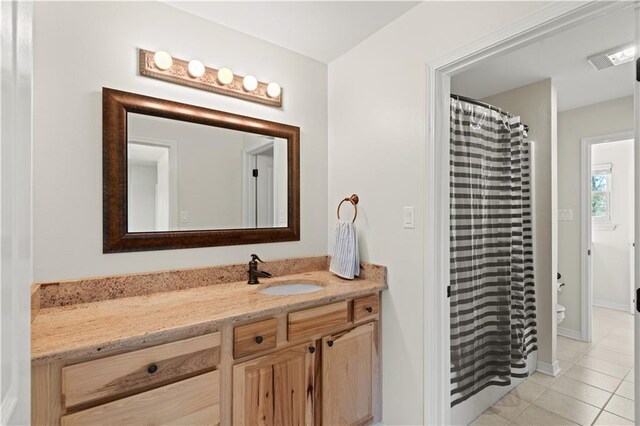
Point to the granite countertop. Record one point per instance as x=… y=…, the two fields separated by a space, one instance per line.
x=84 y=329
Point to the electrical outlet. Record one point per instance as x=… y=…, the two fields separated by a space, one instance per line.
x=184 y=216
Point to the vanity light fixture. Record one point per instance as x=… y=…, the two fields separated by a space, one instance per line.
x=225 y=76
x=162 y=60
x=195 y=68
x=250 y=83
x=273 y=90
x=160 y=65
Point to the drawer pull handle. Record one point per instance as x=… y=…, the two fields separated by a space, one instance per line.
x=330 y=343
x=312 y=349
x=369 y=309
x=152 y=368
x=259 y=339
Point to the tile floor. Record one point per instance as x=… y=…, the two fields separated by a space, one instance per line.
x=595 y=385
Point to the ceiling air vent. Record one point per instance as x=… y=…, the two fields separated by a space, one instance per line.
x=612 y=57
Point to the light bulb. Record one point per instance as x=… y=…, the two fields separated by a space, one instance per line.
x=162 y=60
x=195 y=69
x=225 y=76
x=273 y=90
x=250 y=83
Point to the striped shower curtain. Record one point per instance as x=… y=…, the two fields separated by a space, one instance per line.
x=493 y=320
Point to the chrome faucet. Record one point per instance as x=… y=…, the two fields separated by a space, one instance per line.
x=254 y=272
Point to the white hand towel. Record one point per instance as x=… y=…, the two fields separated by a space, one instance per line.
x=346 y=260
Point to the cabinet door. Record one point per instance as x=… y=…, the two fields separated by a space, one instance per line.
x=275 y=389
x=347 y=377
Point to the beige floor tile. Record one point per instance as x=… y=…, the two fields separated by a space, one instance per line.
x=581 y=391
x=617 y=346
x=509 y=407
x=568 y=355
x=567 y=407
x=574 y=345
x=593 y=378
x=623 y=407
x=564 y=365
x=603 y=366
x=599 y=312
x=489 y=419
x=542 y=379
x=622 y=333
x=535 y=415
x=631 y=377
x=626 y=390
x=528 y=390
x=611 y=356
x=609 y=419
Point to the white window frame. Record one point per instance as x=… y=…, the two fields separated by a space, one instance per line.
x=606 y=221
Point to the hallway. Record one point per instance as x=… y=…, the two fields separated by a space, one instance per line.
x=595 y=384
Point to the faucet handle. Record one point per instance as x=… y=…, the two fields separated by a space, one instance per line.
x=255 y=257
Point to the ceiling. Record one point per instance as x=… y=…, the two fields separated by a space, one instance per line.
x=322 y=30
x=563 y=58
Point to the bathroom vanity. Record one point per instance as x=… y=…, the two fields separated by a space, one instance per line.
x=221 y=352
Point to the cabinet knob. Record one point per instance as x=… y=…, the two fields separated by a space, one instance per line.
x=330 y=343
x=312 y=349
x=152 y=368
x=369 y=309
x=259 y=339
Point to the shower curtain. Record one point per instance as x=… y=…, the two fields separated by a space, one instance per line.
x=493 y=319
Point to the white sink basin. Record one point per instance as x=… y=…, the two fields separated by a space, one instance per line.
x=289 y=289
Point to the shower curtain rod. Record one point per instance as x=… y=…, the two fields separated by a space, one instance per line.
x=486 y=105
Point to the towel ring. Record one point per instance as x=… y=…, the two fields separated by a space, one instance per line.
x=354 y=201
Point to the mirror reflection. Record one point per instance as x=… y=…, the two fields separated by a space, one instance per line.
x=184 y=176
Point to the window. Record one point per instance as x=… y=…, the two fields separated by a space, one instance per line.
x=601 y=194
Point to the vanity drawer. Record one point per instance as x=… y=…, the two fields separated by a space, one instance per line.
x=194 y=401
x=315 y=321
x=366 y=307
x=138 y=370
x=255 y=337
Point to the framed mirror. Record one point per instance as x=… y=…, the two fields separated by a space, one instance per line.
x=181 y=176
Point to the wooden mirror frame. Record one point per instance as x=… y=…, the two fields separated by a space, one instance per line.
x=116 y=237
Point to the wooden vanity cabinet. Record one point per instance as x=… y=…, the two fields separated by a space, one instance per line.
x=315 y=366
x=276 y=389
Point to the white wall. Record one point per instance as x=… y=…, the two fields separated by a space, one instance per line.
x=377 y=124
x=611 y=248
x=536 y=106
x=593 y=120
x=79 y=47
x=15 y=211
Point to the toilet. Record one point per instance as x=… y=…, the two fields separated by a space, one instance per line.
x=560 y=309
x=560 y=312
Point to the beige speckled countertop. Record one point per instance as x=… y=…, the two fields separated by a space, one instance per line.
x=88 y=328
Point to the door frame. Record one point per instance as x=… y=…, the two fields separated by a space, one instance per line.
x=248 y=190
x=172 y=146
x=551 y=19
x=586 y=280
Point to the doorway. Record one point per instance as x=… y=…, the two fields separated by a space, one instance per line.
x=608 y=242
x=439 y=73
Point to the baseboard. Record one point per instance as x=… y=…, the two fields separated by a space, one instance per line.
x=611 y=305
x=570 y=333
x=549 y=369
